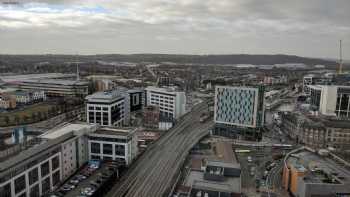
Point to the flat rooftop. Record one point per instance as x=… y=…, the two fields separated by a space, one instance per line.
x=52 y=82
x=319 y=168
x=320 y=121
x=13 y=78
x=32 y=152
x=7 y=90
x=114 y=131
x=196 y=180
x=40 y=144
x=106 y=95
x=169 y=89
x=62 y=130
x=224 y=152
x=223 y=164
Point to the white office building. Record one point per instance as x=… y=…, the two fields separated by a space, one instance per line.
x=113 y=144
x=44 y=162
x=29 y=96
x=54 y=87
x=108 y=108
x=331 y=100
x=171 y=102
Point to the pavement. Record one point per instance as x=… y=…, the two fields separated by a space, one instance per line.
x=155 y=172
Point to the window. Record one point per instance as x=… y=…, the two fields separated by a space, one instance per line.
x=98 y=108
x=45 y=185
x=91 y=108
x=107 y=158
x=23 y=195
x=33 y=176
x=55 y=163
x=56 y=178
x=119 y=150
x=34 y=191
x=107 y=149
x=105 y=108
x=5 y=190
x=95 y=148
x=20 y=184
x=96 y=157
x=45 y=169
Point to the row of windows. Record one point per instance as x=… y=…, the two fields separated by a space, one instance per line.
x=106 y=139
x=20 y=169
x=98 y=108
x=107 y=158
x=160 y=96
x=162 y=107
x=20 y=184
x=107 y=149
x=162 y=101
x=161 y=104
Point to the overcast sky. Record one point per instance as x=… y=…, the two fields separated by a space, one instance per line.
x=299 y=27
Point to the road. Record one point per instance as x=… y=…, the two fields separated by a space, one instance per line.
x=155 y=172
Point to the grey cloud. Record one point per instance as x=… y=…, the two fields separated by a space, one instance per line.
x=183 y=26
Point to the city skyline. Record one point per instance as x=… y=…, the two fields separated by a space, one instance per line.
x=310 y=29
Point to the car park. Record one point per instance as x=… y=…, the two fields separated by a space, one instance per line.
x=88 y=191
x=80 y=177
x=94 y=184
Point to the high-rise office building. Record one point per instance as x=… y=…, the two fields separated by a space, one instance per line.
x=331 y=99
x=109 y=108
x=171 y=102
x=137 y=99
x=238 y=108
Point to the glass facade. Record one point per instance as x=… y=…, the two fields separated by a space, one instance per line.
x=342 y=108
x=107 y=149
x=315 y=98
x=5 y=190
x=119 y=150
x=33 y=176
x=34 y=191
x=95 y=148
x=45 y=169
x=20 y=184
x=45 y=185
x=55 y=163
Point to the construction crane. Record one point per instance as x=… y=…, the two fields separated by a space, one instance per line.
x=340 y=69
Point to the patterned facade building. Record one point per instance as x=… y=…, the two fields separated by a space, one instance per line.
x=239 y=106
x=238 y=110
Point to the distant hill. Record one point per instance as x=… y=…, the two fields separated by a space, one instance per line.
x=157 y=58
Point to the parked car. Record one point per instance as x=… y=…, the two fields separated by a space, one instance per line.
x=74 y=181
x=67 y=187
x=88 y=191
x=249 y=159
